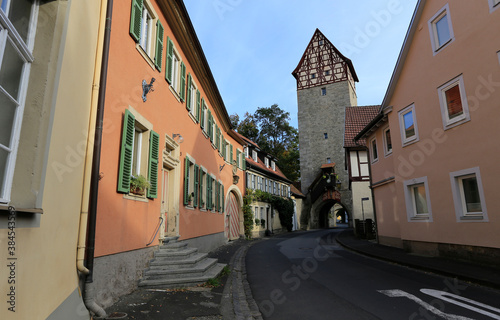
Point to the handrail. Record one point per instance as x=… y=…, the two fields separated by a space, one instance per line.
x=153 y=238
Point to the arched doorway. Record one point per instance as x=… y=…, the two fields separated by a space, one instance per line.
x=232 y=223
x=325 y=214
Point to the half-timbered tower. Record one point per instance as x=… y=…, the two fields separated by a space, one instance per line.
x=325 y=87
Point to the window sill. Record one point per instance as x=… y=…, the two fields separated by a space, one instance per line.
x=5 y=209
x=455 y=123
x=145 y=56
x=176 y=95
x=420 y=218
x=472 y=217
x=444 y=45
x=410 y=142
x=131 y=196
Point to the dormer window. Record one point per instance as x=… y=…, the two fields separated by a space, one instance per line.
x=254 y=155
x=273 y=165
x=267 y=162
x=246 y=152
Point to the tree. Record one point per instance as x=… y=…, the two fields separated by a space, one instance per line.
x=271 y=130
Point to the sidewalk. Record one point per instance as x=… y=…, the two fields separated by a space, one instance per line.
x=232 y=300
x=462 y=270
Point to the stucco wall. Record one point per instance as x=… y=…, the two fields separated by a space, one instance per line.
x=440 y=151
x=50 y=168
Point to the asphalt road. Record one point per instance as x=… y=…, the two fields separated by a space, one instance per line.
x=307 y=275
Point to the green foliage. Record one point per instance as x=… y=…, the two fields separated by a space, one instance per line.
x=257 y=221
x=139 y=182
x=285 y=209
x=247 y=216
x=271 y=130
x=283 y=205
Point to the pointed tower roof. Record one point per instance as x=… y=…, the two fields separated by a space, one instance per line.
x=322 y=63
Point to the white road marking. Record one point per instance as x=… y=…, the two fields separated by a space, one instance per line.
x=463 y=302
x=399 y=293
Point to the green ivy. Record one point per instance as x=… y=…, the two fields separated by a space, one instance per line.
x=247 y=216
x=283 y=205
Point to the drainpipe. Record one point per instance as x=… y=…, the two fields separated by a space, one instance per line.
x=89 y=197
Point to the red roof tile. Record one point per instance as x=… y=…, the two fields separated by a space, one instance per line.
x=356 y=118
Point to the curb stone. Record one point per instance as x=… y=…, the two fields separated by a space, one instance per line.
x=238 y=302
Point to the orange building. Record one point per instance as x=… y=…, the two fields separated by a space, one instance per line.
x=433 y=147
x=164 y=122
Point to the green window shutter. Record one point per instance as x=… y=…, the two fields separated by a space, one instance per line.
x=223 y=201
x=154 y=151
x=238 y=156
x=196 y=180
x=200 y=186
x=223 y=146
x=136 y=19
x=186 y=180
x=217 y=196
x=183 y=81
x=159 y=45
x=197 y=105
x=209 y=192
x=126 y=152
x=217 y=137
x=168 y=66
x=202 y=120
x=209 y=129
x=188 y=92
x=244 y=163
x=231 y=154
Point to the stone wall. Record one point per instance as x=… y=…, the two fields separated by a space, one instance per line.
x=319 y=114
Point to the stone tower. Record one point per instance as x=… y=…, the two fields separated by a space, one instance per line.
x=325 y=87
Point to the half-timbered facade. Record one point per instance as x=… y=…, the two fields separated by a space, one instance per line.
x=357 y=162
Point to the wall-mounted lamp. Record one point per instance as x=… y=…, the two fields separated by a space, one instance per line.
x=178 y=138
x=146 y=88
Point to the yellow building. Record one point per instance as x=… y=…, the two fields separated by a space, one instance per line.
x=50 y=56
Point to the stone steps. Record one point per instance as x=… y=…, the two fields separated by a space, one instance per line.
x=176 y=266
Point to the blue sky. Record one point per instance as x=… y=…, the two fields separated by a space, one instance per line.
x=252 y=46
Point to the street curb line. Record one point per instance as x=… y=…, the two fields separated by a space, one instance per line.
x=238 y=302
x=420 y=267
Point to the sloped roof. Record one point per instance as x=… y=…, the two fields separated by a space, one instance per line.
x=260 y=165
x=347 y=60
x=296 y=192
x=248 y=141
x=356 y=119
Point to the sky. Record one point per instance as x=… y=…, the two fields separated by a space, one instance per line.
x=252 y=46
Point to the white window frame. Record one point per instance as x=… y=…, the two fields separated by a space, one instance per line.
x=148 y=49
x=254 y=155
x=407 y=141
x=273 y=165
x=25 y=50
x=462 y=215
x=373 y=151
x=176 y=72
x=253 y=181
x=465 y=116
x=266 y=159
x=192 y=99
x=387 y=151
x=494 y=4
x=246 y=152
x=411 y=208
x=433 y=29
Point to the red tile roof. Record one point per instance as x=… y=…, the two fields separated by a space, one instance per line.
x=250 y=142
x=296 y=191
x=356 y=118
